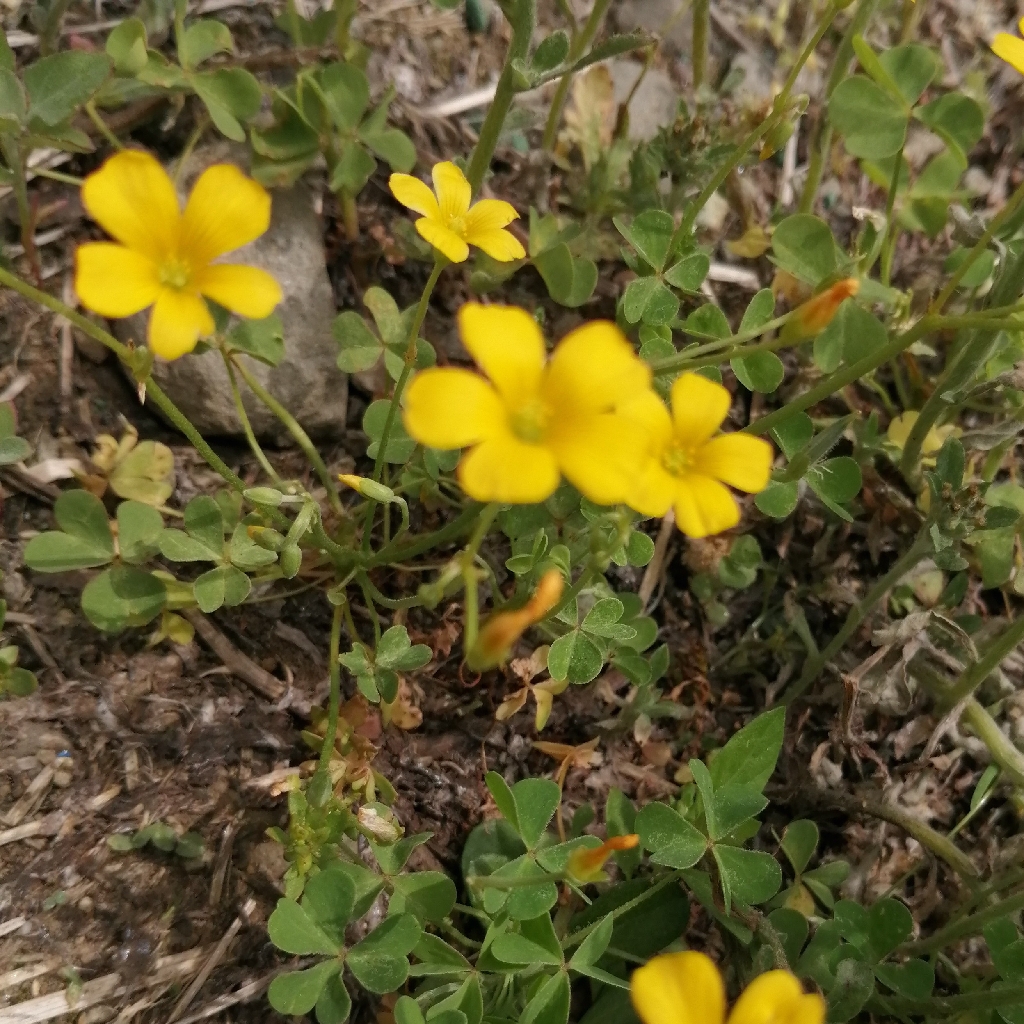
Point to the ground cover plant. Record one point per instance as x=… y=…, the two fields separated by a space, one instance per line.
x=651 y=538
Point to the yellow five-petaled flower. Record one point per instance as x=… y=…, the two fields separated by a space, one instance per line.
x=535 y=419
x=686 y=988
x=688 y=466
x=1010 y=48
x=450 y=224
x=165 y=258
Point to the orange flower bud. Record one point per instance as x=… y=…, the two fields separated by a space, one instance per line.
x=816 y=314
x=586 y=864
x=503 y=629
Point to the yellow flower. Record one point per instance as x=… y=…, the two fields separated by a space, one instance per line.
x=1010 y=48
x=688 y=467
x=165 y=258
x=586 y=863
x=450 y=224
x=899 y=431
x=816 y=313
x=535 y=419
x=686 y=988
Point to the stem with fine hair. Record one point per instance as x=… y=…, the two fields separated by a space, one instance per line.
x=581 y=41
x=101 y=126
x=334 y=703
x=14 y=156
x=778 y=112
x=814 y=664
x=999 y=649
x=821 y=138
x=521 y=15
x=408 y=362
x=469 y=574
x=243 y=418
x=293 y=427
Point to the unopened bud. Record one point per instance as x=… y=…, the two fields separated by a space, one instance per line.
x=265 y=537
x=290 y=561
x=382 y=828
x=366 y=487
x=503 y=629
x=817 y=312
x=586 y=863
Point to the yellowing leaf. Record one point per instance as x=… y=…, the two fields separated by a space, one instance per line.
x=590 y=115
x=145 y=474
x=754 y=242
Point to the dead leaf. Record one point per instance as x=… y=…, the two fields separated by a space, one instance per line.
x=403 y=713
x=590 y=115
x=754 y=242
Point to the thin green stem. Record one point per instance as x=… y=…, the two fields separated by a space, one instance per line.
x=997 y=650
x=334 y=702
x=403 y=548
x=686 y=359
x=50 y=32
x=1011 y=207
x=971 y=925
x=243 y=418
x=469 y=574
x=293 y=427
x=936 y=1007
x=409 y=361
x=578 y=936
x=193 y=140
x=813 y=665
x=384 y=601
x=68 y=179
x=699 y=50
x=101 y=126
x=521 y=15
x=14 y=156
x=821 y=139
x=581 y=41
x=891 y=229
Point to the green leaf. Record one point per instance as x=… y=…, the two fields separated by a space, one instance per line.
x=400 y=445
x=334 y=1004
x=759 y=312
x=84 y=541
x=760 y=371
x=689 y=272
x=126 y=46
x=954 y=117
x=792 y=928
x=467 y=1002
x=296 y=992
x=394 y=147
x=778 y=499
x=748 y=759
x=707 y=321
x=803 y=245
x=620 y=815
x=138 y=531
x=914 y=979
x=734 y=806
x=346 y=94
x=230 y=95
x=873 y=123
x=748 y=876
x=854 y=986
x=13 y=449
x=7 y=59
x=437 y=958
x=575 y=657
x=570 y=280
x=912 y=67
x=379 y=961
x=517 y=949
x=177 y=546
x=329 y=899
x=201 y=40
x=220 y=586
x=392 y=857
x=535 y=800
x=878 y=72
x=204 y=522
x=293 y=930
x=145 y=474
x=647 y=299
x=428 y=895
x=835 y=480
x=671 y=840
x=650 y=233
x=358 y=347
x=799 y=842
x=603 y=620
x=353 y=169
x=852 y=334
x=889 y=923
x=59 y=84
x=503 y=798
x=123 y=596
x=551 y=51
x=551 y=1004
x=593 y=947
x=261 y=339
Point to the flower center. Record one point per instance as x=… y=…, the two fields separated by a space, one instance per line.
x=530 y=421
x=175 y=273
x=458 y=225
x=676 y=460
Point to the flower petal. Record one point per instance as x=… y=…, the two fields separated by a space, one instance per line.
x=1011 y=49
x=178 y=321
x=500 y=245
x=507 y=345
x=225 y=211
x=453 y=191
x=595 y=369
x=449 y=408
x=114 y=281
x=740 y=460
x=704 y=506
x=247 y=291
x=599 y=453
x=414 y=194
x=699 y=406
x=777 y=997
x=678 y=988
x=443 y=239
x=489 y=215
x=132 y=198
x=505 y=469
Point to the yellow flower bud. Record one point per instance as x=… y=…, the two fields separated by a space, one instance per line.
x=817 y=312
x=503 y=629
x=586 y=863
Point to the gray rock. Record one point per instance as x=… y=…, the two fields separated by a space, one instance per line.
x=654 y=16
x=655 y=103
x=307 y=381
